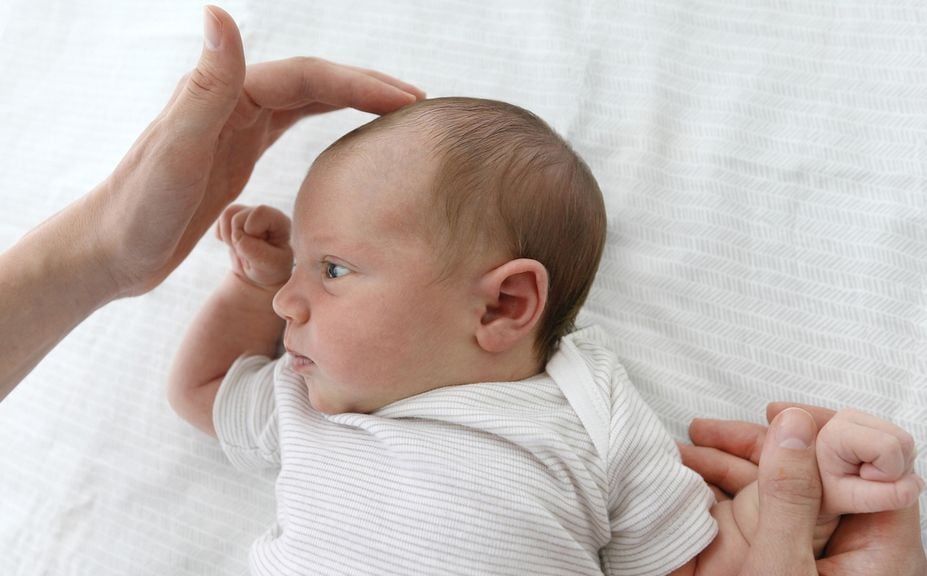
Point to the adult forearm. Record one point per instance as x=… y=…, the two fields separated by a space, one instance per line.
x=50 y=281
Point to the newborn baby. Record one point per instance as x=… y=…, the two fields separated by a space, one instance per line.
x=436 y=410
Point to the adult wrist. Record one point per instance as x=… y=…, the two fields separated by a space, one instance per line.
x=66 y=248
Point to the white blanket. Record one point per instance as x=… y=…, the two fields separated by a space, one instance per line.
x=764 y=165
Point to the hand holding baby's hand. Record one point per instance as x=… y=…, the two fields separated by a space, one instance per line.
x=259 y=244
x=866 y=464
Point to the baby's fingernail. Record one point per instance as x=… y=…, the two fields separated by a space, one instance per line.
x=794 y=429
x=920 y=482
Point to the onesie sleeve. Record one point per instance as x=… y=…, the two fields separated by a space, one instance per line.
x=658 y=508
x=245 y=414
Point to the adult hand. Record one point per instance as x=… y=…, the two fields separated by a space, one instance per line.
x=727 y=455
x=197 y=155
x=131 y=231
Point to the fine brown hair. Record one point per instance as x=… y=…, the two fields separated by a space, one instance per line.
x=505 y=178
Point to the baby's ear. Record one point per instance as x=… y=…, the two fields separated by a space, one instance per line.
x=514 y=296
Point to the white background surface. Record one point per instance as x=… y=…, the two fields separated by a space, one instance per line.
x=764 y=169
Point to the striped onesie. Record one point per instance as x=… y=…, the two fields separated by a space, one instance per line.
x=567 y=472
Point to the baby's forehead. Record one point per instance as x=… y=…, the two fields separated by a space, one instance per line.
x=402 y=143
x=388 y=175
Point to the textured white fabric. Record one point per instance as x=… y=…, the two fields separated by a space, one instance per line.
x=487 y=478
x=763 y=164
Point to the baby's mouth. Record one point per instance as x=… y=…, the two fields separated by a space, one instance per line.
x=299 y=363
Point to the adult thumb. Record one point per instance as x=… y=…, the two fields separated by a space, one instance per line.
x=790 y=497
x=209 y=93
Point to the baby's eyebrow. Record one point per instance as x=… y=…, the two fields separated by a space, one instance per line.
x=331 y=245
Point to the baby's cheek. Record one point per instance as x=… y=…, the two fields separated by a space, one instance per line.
x=362 y=355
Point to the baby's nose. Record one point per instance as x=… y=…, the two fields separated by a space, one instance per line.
x=289 y=306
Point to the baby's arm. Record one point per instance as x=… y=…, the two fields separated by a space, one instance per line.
x=866 y=465
x=238 y=318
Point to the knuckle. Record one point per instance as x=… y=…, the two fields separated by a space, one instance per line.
x=182 y=82
x=908 y=447
x=307 y=61
x=308 y=70
x=793 y=490
x=200 y=81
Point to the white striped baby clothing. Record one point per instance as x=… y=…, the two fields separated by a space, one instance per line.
x=567 y=472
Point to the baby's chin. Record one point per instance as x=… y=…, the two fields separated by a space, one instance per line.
x=319 y=390
x=328 y=406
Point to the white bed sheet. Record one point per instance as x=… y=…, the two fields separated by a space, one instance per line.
x=764 y=169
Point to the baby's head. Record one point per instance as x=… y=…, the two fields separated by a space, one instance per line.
x=453 y=241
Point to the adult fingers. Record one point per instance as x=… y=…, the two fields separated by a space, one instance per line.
x=790 y=497
x=719 y=469
x=876 y=544
x=404 y=86
x=282 y=120
x=743 y=439
x=821 y=415
x=297 y=82
x=211 y=91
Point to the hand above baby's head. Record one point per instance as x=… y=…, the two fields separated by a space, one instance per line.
x=258 y=238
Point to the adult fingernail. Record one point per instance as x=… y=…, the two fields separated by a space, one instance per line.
x=794 y=429
x=212 y=29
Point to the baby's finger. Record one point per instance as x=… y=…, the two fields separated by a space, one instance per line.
x=268 y=223
x=236 y=264
x=743 y=439
x=259 y=253
x=237 y=225
x=224 y=227
x=854 y=495
x=725 y=471
x=879 y=455
x=890 y=434
x=263 y=262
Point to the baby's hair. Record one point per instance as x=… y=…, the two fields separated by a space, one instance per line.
x=506 y=179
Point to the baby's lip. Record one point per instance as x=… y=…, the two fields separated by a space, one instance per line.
x=298 y=362
x=294 y=353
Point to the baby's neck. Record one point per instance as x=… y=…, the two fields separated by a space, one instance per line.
x=511 y=366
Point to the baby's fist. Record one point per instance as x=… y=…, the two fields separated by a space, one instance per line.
x=866 y=464
x=258 y=238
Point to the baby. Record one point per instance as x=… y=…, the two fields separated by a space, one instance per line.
x=435 y=410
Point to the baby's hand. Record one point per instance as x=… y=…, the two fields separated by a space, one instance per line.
x=259 y=244
x=866 y=465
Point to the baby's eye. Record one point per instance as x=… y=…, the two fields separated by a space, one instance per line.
x=335 y=270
